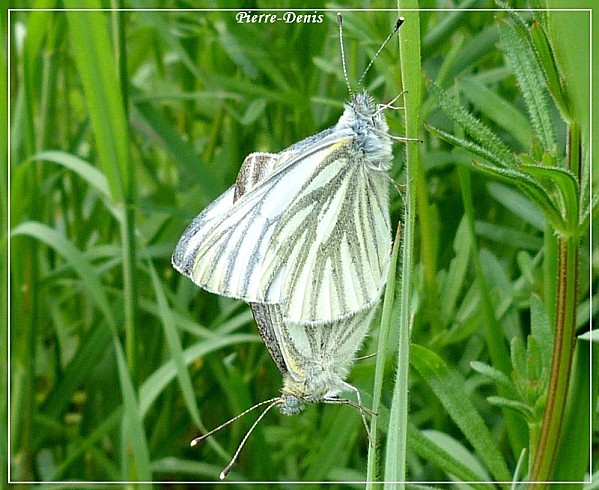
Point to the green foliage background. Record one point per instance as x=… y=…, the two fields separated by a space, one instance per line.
x=124 y=126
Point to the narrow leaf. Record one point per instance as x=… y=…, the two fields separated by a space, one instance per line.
x=495 y=375
x=531 y=188
x=547 y=61
x=521 y=59
x=541 y=330
x=515 y=405
x=508 y=236
x=174 y=344
x=480 y=133
x=156 y=382
x=431 y=451
x=87 y=172
x=518 y=204
x=133 y=429
x=451 y=391
x=94 y=58
x=77 y=260
x=474 y=148
x=456 y=274
x=566 y=183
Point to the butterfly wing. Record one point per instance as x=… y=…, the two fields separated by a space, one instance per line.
x=268 y=319
x=223 y=249
x=322 y=353
x=329 y=254
x=310 y=233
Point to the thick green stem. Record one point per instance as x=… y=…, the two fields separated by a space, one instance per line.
x=428 y=251
x=565 y=324
x=564 y=334
x=382 y=348
x=130 y=289
x=409 y=47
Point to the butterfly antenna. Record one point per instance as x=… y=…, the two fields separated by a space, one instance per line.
x=398 y=24
x=274 y=401
x=340 y=20
x=199 y=439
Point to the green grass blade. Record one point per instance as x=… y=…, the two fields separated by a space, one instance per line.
x=432 y=452
x=445 y=28
x=4 y=282
x=381 y=358
x=456 y=273
x=450 y=389
x=135 y=445
x=93 y=55
x=87 y=443
x=157 y=381
x=174 y=344
x=77 y=260
x=88 y=355
x=409 y=48
x=508 y=236
x=100 y=79
x=494 y=334
x=518 y=204
x=326 y=455
x=87 y=172
x=193 y=169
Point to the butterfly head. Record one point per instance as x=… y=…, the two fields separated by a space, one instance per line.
x=310 y=389
x=291 y=404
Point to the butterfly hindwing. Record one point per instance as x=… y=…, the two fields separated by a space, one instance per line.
x=312 y=351
x=268 y=319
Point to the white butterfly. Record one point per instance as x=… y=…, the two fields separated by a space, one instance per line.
x=314 y=361
x=312 y=233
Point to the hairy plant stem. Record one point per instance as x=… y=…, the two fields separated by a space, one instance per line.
x=564 y=338
x=409 y=50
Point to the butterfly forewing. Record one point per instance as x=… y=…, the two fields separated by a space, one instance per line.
x=308 y=211
x=224 y=247
x=329 y=252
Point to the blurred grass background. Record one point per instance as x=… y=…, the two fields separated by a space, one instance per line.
x=124 y=126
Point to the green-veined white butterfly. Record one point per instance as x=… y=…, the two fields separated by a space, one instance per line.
x=313 y=359
x=304 y=237
x=312 y=234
